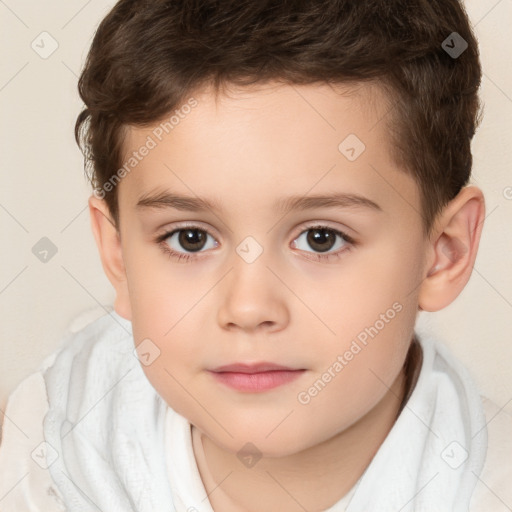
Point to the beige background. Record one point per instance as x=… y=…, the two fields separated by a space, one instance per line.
x=43 y=193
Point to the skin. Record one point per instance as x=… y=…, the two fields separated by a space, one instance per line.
x=246 y=149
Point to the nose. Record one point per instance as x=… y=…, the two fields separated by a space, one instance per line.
x=253 y=299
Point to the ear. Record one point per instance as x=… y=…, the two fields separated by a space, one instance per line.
x=454 y=245
x=108 y=241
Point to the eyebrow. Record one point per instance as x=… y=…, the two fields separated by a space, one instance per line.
x=284 y=205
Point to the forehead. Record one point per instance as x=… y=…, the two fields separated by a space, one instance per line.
x=330 y=109
x=282 y=110
x=270 y=141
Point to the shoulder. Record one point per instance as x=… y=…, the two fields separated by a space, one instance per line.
x=24 y=476
x=25 y=456
x=493 y=490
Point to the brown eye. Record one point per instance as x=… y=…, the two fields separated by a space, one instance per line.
x=187 y=240
x=321 y=239
x=192 y=239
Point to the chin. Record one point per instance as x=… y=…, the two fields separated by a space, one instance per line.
x=275 y=445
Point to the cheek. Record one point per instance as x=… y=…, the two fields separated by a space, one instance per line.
x=376 y=281
x=372 y=308
x=176 y=357
x=354 y=374
x=164 y=303
x=162 y=292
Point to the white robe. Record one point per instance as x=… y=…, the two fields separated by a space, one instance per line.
x=111 y=442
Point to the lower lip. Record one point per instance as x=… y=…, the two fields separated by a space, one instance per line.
x=257 y=381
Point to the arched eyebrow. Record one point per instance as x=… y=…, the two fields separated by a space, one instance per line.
x=284 y=205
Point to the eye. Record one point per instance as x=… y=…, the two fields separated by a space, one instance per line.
x=182 y=243
x=192 y=239
x=323 y=239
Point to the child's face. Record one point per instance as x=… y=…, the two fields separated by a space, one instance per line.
x=230 y=304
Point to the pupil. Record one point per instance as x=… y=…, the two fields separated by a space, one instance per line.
x=318 y=237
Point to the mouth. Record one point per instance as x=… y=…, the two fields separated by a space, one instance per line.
x=256 y=377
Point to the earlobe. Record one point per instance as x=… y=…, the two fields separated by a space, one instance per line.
x=108 y=242
x=454 y=249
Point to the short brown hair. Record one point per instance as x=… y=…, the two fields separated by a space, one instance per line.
x=148 y=55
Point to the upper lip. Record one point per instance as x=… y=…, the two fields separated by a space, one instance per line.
x=252 y=367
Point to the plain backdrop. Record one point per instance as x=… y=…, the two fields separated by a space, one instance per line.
x=43 y=195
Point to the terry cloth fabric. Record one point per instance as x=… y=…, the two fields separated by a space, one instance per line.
x=107 y=426
x=435 y=452
x=107 y=423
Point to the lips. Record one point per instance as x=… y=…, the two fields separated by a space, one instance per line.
x=255 y=377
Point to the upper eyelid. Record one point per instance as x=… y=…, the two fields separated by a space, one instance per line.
x=196 y=224
x=181 y=226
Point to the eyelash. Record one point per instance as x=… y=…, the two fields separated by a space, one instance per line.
x=186 y=257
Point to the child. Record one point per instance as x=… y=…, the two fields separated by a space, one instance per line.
x=246 y=367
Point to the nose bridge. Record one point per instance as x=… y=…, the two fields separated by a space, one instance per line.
x=252 y=295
